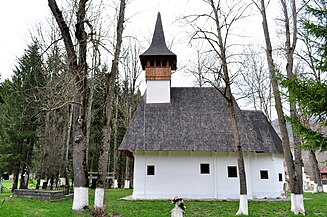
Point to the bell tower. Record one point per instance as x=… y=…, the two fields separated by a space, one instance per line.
x=158 y=61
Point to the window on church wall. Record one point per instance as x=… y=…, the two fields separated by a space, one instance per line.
x=232 y=171
x=150 y=170
x=280 y=177
x=205 y=168
x=264 y=174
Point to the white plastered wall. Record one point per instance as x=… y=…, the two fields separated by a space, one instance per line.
x=177 y=173
x=158 y=91
x=271 y=187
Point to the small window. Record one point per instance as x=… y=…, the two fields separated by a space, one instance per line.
x=204 y=169
x=158 y=63
x=150 y=170
x=264 y=174
x=232 y=171
x=280 y=177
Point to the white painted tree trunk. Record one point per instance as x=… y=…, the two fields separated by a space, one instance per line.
x=177 y=212
x=81 y=198
x=99 y=198
x=243 y=205
x=115 y=183
x=297 y=204
x=127 y=184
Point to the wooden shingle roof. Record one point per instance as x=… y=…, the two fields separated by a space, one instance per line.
x=197 y=119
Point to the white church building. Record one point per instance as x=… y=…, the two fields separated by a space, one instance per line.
x=182 y=143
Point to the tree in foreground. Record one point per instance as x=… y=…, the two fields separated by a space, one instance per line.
x=294 y=167
x=77 y=67
x=309 y=90
x=20 y=114
x=291 y=34
x=107 y=110
x=224 y=15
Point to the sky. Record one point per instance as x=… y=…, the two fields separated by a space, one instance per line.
x=18 y=18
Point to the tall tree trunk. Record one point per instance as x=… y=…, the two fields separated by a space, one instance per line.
x=278 y=102
x=291 y=170
x=67 y=142
x=89 y=106
x=127 y=183
x=243 y=203
x=316 y=172
x=15 y=179
x=77 y=66
x=44 y=148
x=110 y=81
x=115 y=145
x=297 y=204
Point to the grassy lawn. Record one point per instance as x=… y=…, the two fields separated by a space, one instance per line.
x=316 y=205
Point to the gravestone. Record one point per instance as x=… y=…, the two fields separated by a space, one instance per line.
x=62 y=181
x=115 y=184
x=42 y=181
x=5 y=176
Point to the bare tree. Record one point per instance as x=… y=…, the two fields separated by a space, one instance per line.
x=224 y=15
x=205 y=68
x=57 y=96
x=293 y=168
x=77 y=66
x=115 y=128
x=291 y=34
x=128 y=101
x=255 y=85
x=109 y=96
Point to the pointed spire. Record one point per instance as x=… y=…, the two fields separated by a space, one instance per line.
x=158 y=48
x=158 y=39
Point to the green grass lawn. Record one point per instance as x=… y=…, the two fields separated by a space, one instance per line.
x=315 y=204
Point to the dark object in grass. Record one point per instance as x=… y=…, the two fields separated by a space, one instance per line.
x=97 y=212
x=5 y=176
x=39 y=194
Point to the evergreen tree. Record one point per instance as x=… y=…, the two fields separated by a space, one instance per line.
x=315 y=24
x=20 y=118
x=310 y=90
